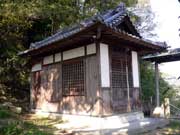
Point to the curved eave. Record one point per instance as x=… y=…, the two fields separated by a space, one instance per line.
x=30 y=51
x=145 y=45
x=148 y=46
x=161 y=58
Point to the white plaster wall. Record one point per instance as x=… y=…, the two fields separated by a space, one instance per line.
x=36 y=67
x=104 y=64
x=57 y=57
x=48 y=60
x=135 y=69
x=91 y=49
x=74 y=53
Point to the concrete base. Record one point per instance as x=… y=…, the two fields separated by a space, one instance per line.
x=132 y=128
x=129 y=123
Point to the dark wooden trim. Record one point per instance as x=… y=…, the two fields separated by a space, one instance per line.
x=62 y=75
x=140 y=87
x=74 y=95
x=99 y=30
x=85 y=58
x=31 y=88
x=105 y=88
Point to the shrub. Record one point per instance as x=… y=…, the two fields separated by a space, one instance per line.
x=4 y=113
x=11 y=129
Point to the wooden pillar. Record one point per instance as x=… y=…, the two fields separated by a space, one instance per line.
x=99 y=91
x=157 y=84
x=128 y=97
x=166 y=108
x=31 y=94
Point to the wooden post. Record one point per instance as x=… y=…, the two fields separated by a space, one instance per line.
x=128 y=98
x=157 y=83
x=166 y=108
x=31 y=95
x=99 y=79
x=99 y=91
x=127 y=81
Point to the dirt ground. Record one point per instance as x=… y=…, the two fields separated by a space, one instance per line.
x=172 y=129
x=47 y=126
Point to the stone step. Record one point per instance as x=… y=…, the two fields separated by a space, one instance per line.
x=128 y=123
x=136 y=127
x=118 y=118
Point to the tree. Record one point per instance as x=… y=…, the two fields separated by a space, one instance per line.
x=143 y=18
x=23 y=22
x=148 y=83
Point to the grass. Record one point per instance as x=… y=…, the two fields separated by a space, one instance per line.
x=172 y=129
x=12 y=124
x=21 y=128
x=33 y=125
x=174 y=124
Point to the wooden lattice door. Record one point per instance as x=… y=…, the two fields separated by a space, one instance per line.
x=121 y=79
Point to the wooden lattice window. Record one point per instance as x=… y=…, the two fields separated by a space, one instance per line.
x=73 y=72
x=121 y=60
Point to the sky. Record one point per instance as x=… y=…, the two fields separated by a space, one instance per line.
x=167 y=13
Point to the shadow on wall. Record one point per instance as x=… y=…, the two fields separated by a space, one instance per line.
x=47 y=90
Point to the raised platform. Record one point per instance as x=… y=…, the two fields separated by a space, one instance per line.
x=129 y=123
x=131 y=128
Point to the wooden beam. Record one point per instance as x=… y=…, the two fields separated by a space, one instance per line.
x=99 y=90
x=98 y=35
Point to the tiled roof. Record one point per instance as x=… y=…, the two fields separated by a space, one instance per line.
x=111 y=18
x=168 y=56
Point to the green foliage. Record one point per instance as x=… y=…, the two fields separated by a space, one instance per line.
x=4 y=114
x=148 y=83
x=147 y=80
x=23 y=22
x=13 y=124
x=21 y=128
x=175 y=124
x=11 y=129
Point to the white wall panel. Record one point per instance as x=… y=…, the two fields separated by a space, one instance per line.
x=57 y=57
x=104 y=58
x=135 y=69
x=73 y=53
x=48 y=60
x=36 y=67
x=91 y=49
